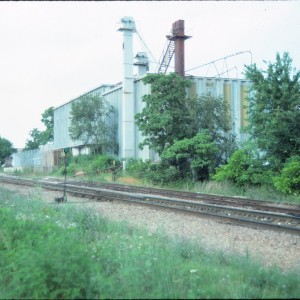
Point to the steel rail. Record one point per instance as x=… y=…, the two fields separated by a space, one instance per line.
x=207 y=198
x=285 y=222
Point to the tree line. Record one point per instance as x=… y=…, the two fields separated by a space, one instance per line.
x=191 y=134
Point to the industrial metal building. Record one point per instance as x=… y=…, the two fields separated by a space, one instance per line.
x=233 y=90
x=126 y=97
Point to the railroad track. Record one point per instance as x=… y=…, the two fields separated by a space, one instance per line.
x=200 y=197
x=257 y=214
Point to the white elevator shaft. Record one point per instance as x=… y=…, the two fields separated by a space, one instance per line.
x=128 y=105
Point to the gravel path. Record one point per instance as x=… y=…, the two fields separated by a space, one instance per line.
x=266 y=246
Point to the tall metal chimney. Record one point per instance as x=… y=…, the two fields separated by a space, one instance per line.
x=128 y=127
x=178 y=37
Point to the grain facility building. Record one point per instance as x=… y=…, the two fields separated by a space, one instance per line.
x=126 y=97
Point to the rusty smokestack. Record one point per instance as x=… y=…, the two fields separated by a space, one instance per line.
x=178 y=36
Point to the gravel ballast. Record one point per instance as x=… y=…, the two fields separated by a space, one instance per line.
x=267 y=246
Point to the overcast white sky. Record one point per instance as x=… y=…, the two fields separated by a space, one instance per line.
x=52 y=52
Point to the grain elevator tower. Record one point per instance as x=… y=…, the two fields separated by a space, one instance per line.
x=128 y=106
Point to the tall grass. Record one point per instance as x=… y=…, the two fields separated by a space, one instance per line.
x=259 y=193
x=56 y=251
x=143 y=173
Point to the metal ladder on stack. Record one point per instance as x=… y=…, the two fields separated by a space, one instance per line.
x=166 y=57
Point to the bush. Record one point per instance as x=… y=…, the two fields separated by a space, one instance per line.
x=88 y=163
x=136 y=167
x=156 y=173
x=101 y=163
x=244 y=169
x=162 y=173
x=197 y=154
x=288 y=181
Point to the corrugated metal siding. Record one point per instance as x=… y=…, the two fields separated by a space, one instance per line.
x=140 y=89
x=244 y=104
x=211 y=86
x=114 y=98
x=227 y=97
x=62 y=123
x=235 y=91
x=236 y=106
x=62 y=120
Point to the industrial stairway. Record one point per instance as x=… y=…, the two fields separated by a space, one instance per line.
x=166 y=57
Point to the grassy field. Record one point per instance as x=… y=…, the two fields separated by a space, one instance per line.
x=56 y=251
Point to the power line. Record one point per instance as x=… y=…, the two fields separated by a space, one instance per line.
x=144 y=45
x=223 y=58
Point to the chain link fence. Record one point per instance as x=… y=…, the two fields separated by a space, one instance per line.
x=45 y=159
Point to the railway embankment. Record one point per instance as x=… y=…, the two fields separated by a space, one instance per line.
x=267 y=246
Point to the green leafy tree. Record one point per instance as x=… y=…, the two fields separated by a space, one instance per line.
x=166 y=116
x=6 y=149
x=92 y=123
x=274 y=109
x=37 y=137
x=170 y=117
x=48 y=121
x=288 y=181
x=212 y=115
x=196 y=154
